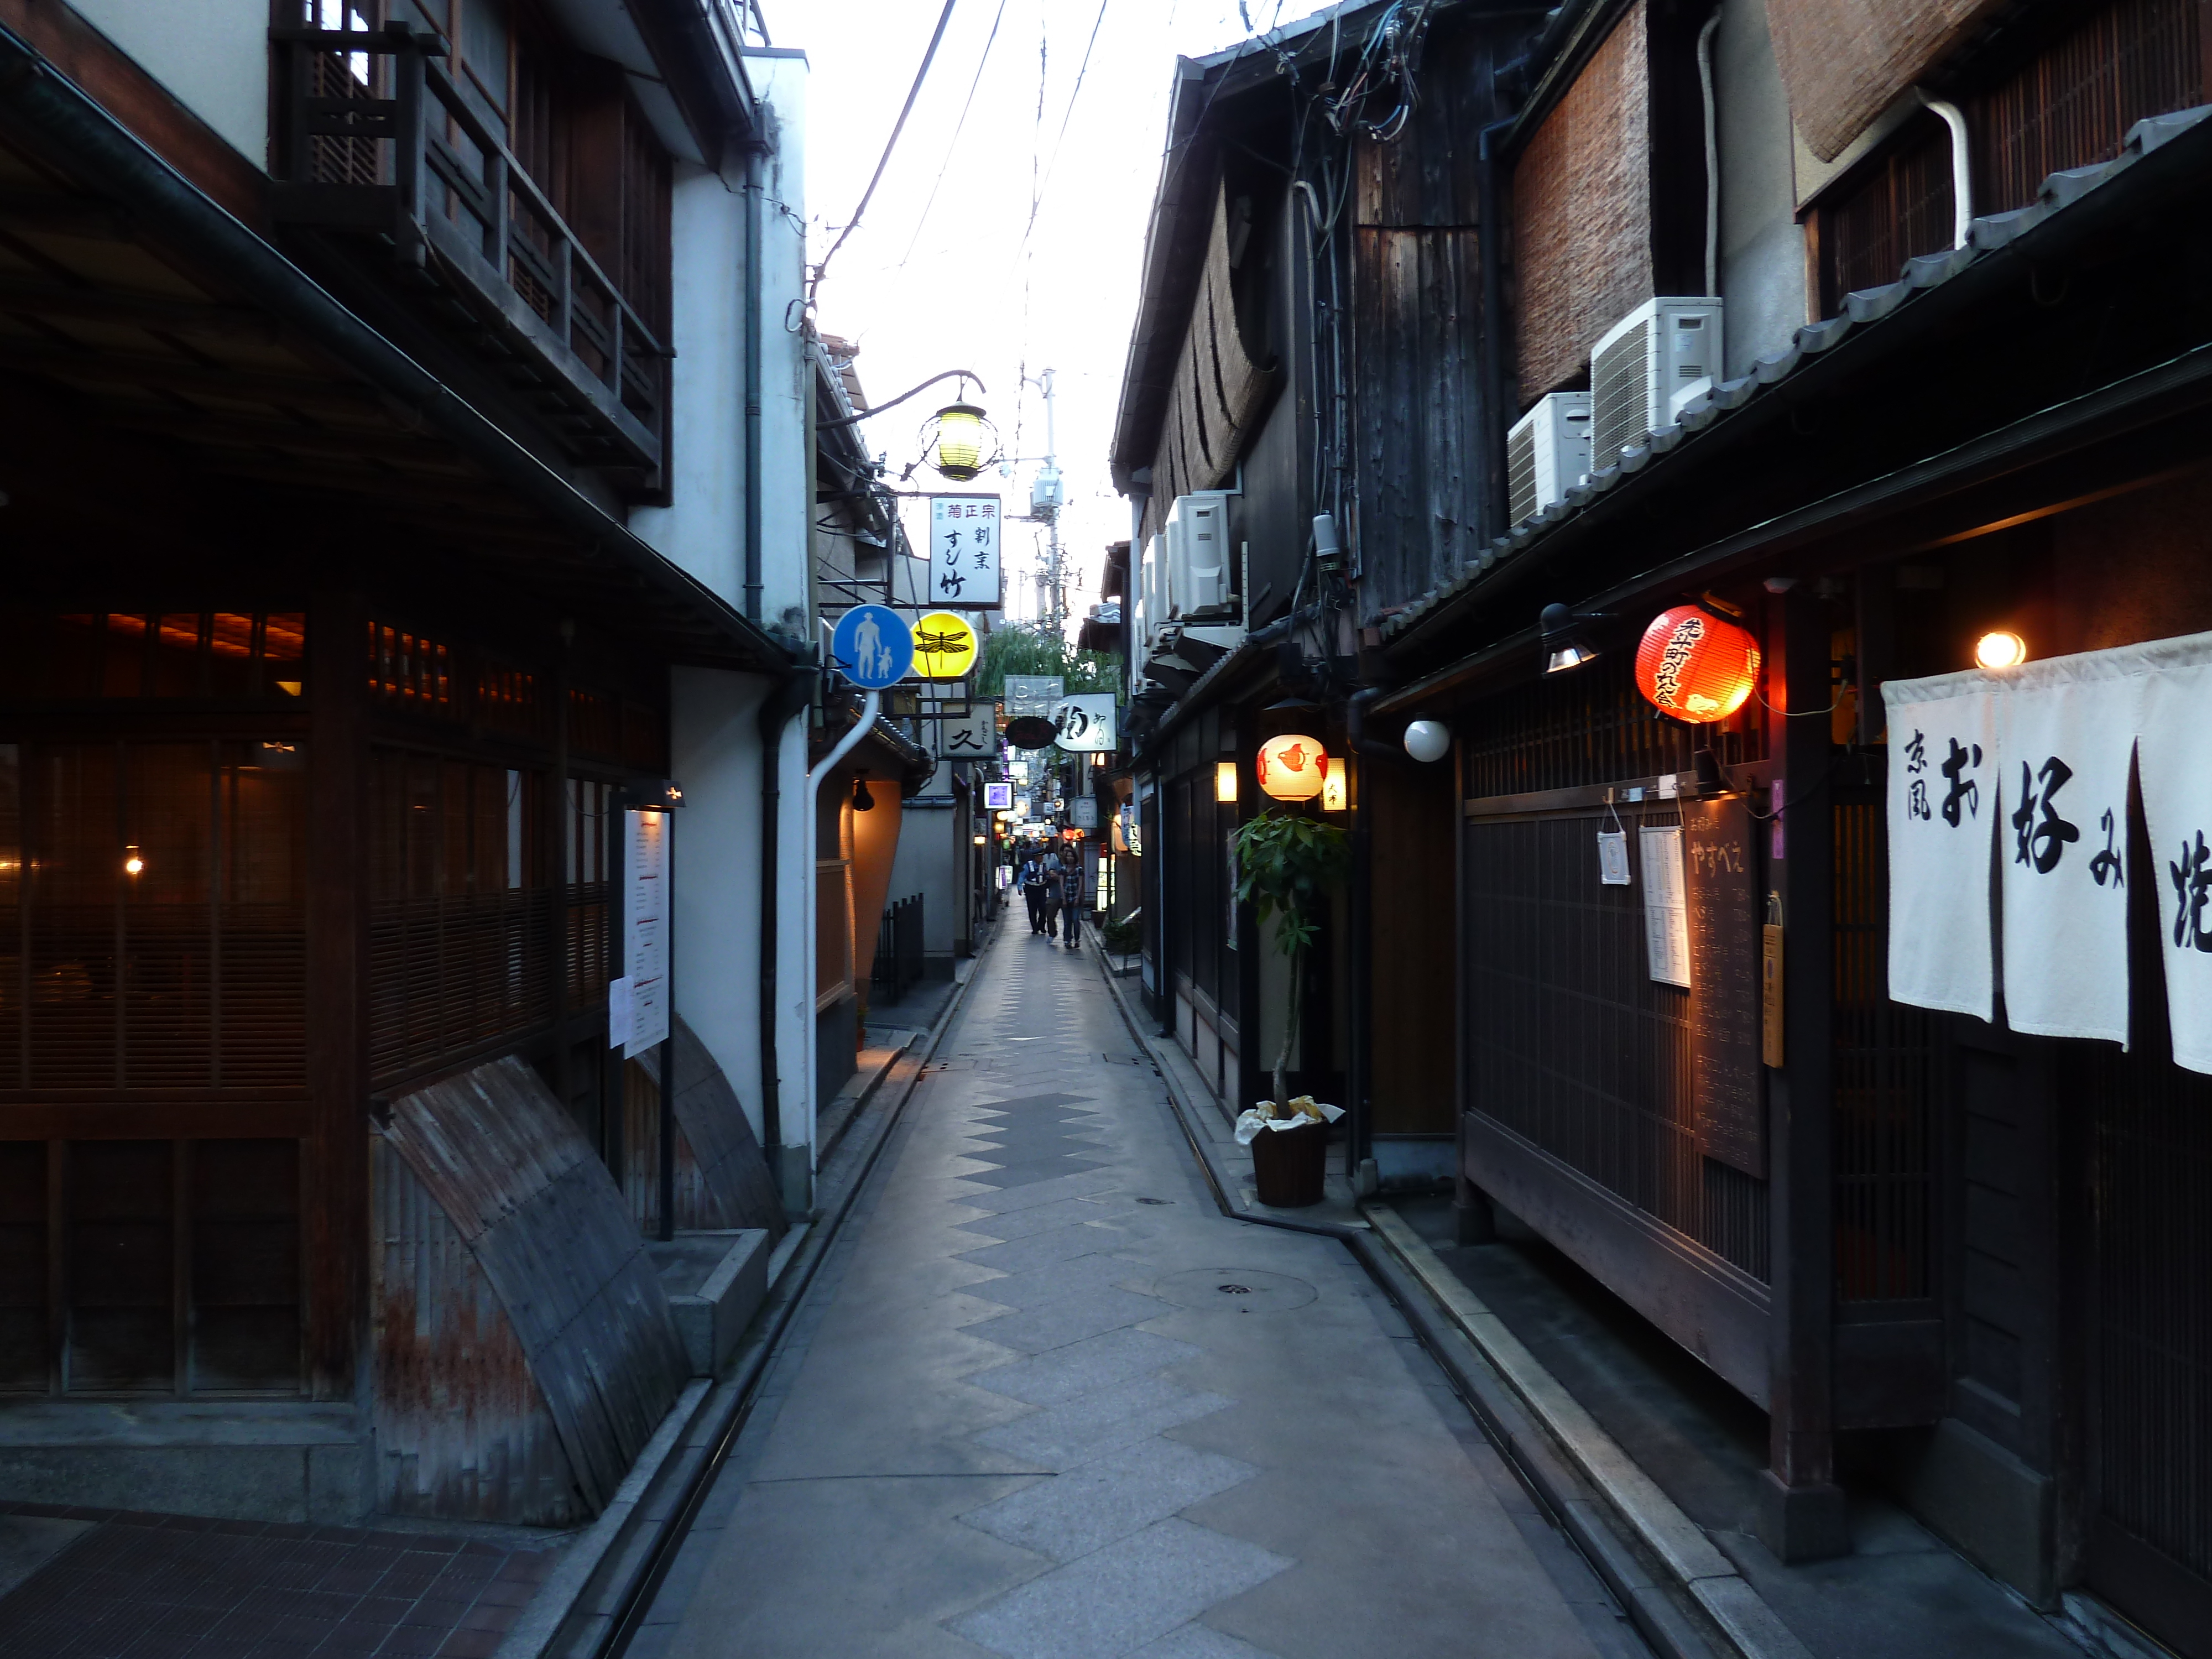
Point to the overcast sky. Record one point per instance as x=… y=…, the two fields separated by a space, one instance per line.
x=981 y=280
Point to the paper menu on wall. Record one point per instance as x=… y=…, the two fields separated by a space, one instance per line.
x=1666 y=908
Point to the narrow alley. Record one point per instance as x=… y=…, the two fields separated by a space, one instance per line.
x=1046 y=1401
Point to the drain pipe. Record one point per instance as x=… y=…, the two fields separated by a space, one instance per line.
x=1962 y=183
x=1712 y=157
x=753 y=351
x=1497 y=518
x=784 y=700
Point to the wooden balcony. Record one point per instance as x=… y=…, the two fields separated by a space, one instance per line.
x=377 y=141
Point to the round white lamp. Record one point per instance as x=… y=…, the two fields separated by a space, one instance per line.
x=1428 y=740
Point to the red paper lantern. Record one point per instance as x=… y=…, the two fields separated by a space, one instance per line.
x=1293 y=766
x=1695 y=666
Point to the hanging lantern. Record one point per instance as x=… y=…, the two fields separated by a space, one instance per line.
x=959 y=442
x=1695 y=666
x=1293 y=766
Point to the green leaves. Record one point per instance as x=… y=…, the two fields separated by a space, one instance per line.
x=1286 y=864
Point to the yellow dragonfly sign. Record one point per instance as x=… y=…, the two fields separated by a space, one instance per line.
x=944 y=646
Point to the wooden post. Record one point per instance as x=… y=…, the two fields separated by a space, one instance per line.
x=336 y=1224
x=1473 y=1219
x=1801 y=1515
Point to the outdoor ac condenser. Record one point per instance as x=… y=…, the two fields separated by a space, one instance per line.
x=1198 y=555
x=1548 y=452
x=1661 y=353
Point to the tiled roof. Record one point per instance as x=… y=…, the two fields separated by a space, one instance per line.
x=1862 y=310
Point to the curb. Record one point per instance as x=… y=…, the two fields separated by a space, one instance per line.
x=590 y=1603
x=1673 y=1542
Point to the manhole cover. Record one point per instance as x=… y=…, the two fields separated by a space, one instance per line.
x=1244 y=1290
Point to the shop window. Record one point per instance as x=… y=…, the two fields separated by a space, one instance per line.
x=507 y=702
x=595 y=724
x=406 y=671
x=83 y=656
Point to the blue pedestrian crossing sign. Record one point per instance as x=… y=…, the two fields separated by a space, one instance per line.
x=873 y=646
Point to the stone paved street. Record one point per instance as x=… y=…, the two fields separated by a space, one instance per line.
x=1045 y=1402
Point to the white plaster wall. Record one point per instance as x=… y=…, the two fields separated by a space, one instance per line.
x=212 y=54
x=703 y=527
x=1762 y=245
x=787 y=516
x=715 y=748
x=924 y=864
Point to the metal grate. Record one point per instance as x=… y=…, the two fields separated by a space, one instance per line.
x=1520 y=472
x=1572 y=1044
x=1621 y=396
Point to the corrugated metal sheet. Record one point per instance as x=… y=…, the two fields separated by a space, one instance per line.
x=543 y=1220
x=462 y=1429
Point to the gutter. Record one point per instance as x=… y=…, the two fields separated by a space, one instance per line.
x=783 y=702
x=754 y=352
x=55 y=117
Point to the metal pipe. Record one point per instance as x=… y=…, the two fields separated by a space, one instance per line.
x=871 y=706
x=1712 y=158
x=1962 y=183
x=668 y=1043
x=783 y=702
x=753 y=352
x=1497 y=511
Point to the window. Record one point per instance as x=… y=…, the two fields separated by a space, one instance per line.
x=1897 y=207
x=593 y=829
x=220 y=654
x=459 y=936
x=408 y=672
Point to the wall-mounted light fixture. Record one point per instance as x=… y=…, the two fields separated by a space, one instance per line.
x=1565 y=645
x=1428 y=740
x=1225 y=782
x=1335 y=786
x=663 y=795
x=133 y=863
x=862 y=800
x=2000 y=648
x=1293 y=766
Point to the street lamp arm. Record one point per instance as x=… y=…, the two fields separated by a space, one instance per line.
x=877 y=409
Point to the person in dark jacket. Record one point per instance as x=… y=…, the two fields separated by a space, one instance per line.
x=1071 y=899
x=1051 y=904
x=1031 y=879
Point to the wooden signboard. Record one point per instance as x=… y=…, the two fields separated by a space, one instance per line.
x=1722 y=895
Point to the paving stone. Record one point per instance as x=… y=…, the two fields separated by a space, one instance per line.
x=1065 y=1437
x=1191 y=1641
x=1081 y=1313
x=1082 y=1185
x=1079 y=1368
x=1091 y=1505
x=1042 y=1250
x=1122 y=1596
x=1037 y=1218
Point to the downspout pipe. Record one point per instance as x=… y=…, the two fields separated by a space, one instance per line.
x=754 y=350
x=1962 y=182
x=785 y=699
x=1496 y=511
x=1712 y=157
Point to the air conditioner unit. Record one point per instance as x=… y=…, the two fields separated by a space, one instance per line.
x=1648 y=364
x=1548 y=452
x=1197 y=555
x=1144 y=609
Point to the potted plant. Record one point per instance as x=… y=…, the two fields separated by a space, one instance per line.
x=1286 y=864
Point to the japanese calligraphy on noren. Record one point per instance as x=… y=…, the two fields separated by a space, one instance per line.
x=963 y=552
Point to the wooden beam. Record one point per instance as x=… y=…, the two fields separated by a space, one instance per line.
x=173 y=375
x=153 y=312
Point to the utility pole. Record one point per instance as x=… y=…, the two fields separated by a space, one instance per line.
x=1045 y=500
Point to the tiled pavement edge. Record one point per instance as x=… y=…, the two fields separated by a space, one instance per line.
x=1045 y=1402
x=176 y=1587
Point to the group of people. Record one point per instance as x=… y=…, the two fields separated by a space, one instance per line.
x=1051 y=886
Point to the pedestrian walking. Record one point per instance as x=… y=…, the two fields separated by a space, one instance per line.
x=1053 y=874
x=1031 y=877
x=1071 y=899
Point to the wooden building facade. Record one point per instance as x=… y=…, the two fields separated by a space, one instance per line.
x=1942 y=1255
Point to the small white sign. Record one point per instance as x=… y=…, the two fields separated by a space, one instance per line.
x=1087 y=722
x=1665 y=908
x=963 y=552
x=1033 y=694
x=644 y=927
x=1086 y=811
x=619 y=1023
x=972 y=736
x=1613 y=858
x=998 y=797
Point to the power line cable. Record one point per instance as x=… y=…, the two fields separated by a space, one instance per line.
x=1036 y=196
x=953 y=145
x=890 y=144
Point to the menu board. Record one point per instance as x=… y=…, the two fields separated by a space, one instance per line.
x=1721 y=900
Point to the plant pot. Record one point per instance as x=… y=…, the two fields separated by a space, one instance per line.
x=1288 y=1165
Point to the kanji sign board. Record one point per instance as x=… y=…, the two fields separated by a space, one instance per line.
x=963 y=552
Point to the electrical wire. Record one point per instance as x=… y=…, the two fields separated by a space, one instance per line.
x=889 y=144
x=953 y=143
x=1036 y=196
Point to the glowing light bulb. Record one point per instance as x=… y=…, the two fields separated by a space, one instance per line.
x=2000 y=649
x=134 y=864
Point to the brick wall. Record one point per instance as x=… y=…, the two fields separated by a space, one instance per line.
x=1582 y=212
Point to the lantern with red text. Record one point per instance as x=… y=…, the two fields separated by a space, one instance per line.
x=1695 y=666
x=1293 y=768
